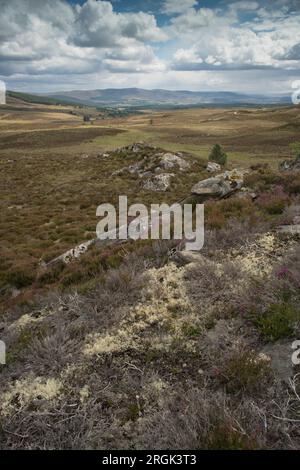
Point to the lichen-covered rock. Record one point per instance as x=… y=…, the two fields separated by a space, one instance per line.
x=219 y=186
x=159 y=182
x=213 y=167
x=170 y=161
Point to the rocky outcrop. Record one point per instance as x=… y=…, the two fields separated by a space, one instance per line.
x=72 y=254
x=172 y=161
x=219 y=186
x=151 y=161
x=290 y=165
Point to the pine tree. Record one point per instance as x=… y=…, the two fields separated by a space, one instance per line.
x=218 y=155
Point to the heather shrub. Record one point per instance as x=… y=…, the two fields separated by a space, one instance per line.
x=277 y=321
x=292 y=183
x=198 y=419
x=282 y=284
x=126 y=277
x=263 y=179
x=51 y=275
x=20 y=277
x=273 y=203
x=289 y=214
x=243 y=370
x=234 y=234
x=218 y=212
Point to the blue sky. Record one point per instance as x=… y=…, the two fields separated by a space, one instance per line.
x=236 y=45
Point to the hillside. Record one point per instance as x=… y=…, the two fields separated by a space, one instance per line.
x=137 y=97
x=142 y=344
x=36 y=99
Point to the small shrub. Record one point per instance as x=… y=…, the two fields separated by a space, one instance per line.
x=277 y=321
x=263 y=179
x=218 y=212
x=292 y=184
x=51 y=275
x=225 y=436
x=273 y=203
x=295 y=148
x=20 y=278
x=243 y=370
x=73 y=277
x=133 y=411
x=190 y=330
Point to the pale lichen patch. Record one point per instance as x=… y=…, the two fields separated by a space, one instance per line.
x=27 y=389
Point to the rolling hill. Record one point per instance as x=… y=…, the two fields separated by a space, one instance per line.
x=138 y=97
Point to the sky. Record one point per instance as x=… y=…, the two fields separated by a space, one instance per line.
x=250 y=46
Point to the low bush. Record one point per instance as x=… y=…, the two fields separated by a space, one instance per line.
x=243 y=370
x=218 y=212
x=273 y=203
x=277 y=321
x=19 y=277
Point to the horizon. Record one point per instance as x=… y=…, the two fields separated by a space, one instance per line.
x=64 y=90
x=237 y=46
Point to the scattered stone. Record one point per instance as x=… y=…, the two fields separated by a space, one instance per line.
x=72 y=254
x=159 y=182
x=246 y=193
x=289 y=229
x=213 y=167
x=15 y=292
x=182 y=258
x=136 y=148
x=296 y=220
x=289 y=165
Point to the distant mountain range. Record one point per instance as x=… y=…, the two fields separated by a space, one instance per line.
x=138 y=97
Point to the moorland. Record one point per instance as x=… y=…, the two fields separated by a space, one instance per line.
x=99 y=350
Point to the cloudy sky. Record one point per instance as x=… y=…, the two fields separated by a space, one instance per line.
x=245 y=45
